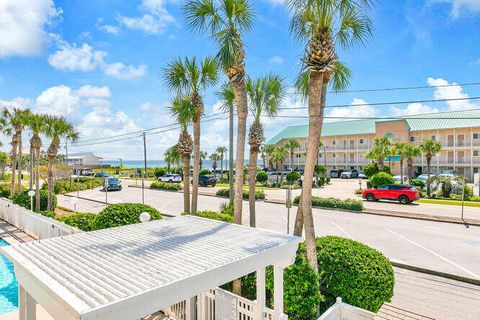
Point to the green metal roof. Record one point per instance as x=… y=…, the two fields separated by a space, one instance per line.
x=432 y=121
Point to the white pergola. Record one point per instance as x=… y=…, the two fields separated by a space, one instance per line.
x=129 y=272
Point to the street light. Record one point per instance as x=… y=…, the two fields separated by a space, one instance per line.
x=74 y=202
x=144 y=217
x=31 y=193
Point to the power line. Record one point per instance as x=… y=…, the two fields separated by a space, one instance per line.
x=381 y=118
x=464 y=84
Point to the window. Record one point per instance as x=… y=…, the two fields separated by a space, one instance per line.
x=361 y=141
x=334 y=142
x=434 y=138
x=475 y=136
x=412 y=139
x=320 y=155
x=475 y=153
x=334 y=155
x=475 y=170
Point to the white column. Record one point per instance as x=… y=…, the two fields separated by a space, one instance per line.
x=260 y=294
x=31 y=307
x=27 y=308
x=471 y=153
x=278 y=290
x=454 y=149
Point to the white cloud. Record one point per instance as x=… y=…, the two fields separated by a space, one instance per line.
x=461 y=6
x=108 y=28
x=276 y=60
x=22 y=26
x=359 y=108
x=413 y=109
x=71 y=57
x=98 y=92
x=446 y=90
x=276 y=2
x=155 y=20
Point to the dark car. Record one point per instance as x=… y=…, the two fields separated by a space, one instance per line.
x=114 y=184
x=404 y=194
x=205 y=181
x=101 y=175
x=336 y=173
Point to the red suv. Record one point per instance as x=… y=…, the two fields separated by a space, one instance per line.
x=402 y=193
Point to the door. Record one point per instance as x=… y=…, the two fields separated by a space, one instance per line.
x=461 y=140
x=450 y=157
x=382 y=192
x=461 y=157
x=450 y=139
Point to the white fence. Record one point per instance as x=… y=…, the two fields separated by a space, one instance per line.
x=33 y=224
x=344 y=311
x=219 y=304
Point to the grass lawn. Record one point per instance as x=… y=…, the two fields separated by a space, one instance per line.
x=450 y=202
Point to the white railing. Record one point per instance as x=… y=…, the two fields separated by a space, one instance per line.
x=219 y=304
x=344 y=311
x=33 y=224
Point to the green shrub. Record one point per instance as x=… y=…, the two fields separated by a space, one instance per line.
x=66 y=185
x=370 y=169
x=259 y=195
x=227 y=208
x=122 y=214
x=328 y=180
x=293 y=177
x=82 y=221
x=160 y=172
x=216 y=216
x=204 y=172
x=361 y=275
x=166 y=186
x=417 y=183
x=381 y=178
x=4 y=191
x=262 y=177
x=48 y=214
x=23 y=200
x=468 y=193
x=348 y=204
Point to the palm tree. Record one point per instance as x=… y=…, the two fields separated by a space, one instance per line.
x=184 y=110
x=400 y=151
x=227 y=21
x=189 y=77
x=278 y=157
x=221 y=151
x=15 y=121
x=4 y=159
x=430 y=148
x=321 y=23
x=291 y=145
x=36 y=124
x=172 y=157
x=265 y=95
x=203 y=156
x=269 y=149
x=215 y=157
x=227 y=96
x=381 y=149
x=411 y=152
x=56 y=128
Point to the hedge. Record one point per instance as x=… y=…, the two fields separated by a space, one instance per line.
x=82 y=183
x=123 y=214
x=215 y=216
x=381 y=178
x=262 y=177
x=5 y=190
x=293 y=177
x=361 y=275
x=166 y=186
x=417 y=183
x=23 y=200
x=82 y=221
x=259 y=195
x=160 y=172
x=348 y=204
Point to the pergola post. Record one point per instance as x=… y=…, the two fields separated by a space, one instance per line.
x=260 y=293
x=278 y=290
x=26 y=305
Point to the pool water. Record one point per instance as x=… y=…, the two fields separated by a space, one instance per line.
x=8 y=284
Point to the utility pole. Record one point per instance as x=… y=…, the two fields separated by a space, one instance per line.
x=230 y=156
x=145 y=167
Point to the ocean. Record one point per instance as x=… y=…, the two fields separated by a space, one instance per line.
x=133 y=164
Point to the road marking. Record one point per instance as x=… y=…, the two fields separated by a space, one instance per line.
x=434 y=253
x=342 y=230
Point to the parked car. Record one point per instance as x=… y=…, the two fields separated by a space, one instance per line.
x=101 y=175
x=336 y=173
x=398 y=179
x=362 y=175
x=171 y=177
x=448 y=173
x=205 y=181
x=424 y=177
x=114 y=184
x=404 y=194
x=350 y=174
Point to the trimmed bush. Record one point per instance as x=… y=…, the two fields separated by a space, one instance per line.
x=293 y=177
x=82 y=221
x=262 y=177
x=23 y=200
x=4 y=190
x=259 y=195
x=204 y=172
x=123 y=214
x=381 y=178
x=160 y=172
x=216 y=216
x=227 y=208
x=417 y=183
x=65 y=185
x=361 y=275
x=348 y=204
x=48 y=214
x=166 y=186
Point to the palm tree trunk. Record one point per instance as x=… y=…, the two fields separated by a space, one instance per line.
x=186 y=184
x=242 y=112
x=315 y=112
x=32 y=161
x=381 y=164
x=37 y=179
x=196 y=165
x=298 y=227
x=291 y=160
x=14 y=164
x=230 y=155
x=401 y=169
x=428 y=176
x=19 y=186
x=50 y=164
x=410 y=168
x=252 y=167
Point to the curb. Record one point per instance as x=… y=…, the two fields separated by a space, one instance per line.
x=435 y=273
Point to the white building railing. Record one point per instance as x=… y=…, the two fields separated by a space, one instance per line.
x=33 y=224
x=344 y=311
x=219 y=304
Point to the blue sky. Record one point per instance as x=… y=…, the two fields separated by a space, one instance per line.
x=100 y=62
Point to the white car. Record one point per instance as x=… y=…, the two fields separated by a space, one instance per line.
x=398 y=179
x=170 y=178
x=424 y=177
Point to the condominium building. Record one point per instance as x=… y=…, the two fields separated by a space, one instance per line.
x=346 y=143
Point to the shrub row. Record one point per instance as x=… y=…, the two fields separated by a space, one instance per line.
x=259 y=195
x=122 y=214
x=216 y=216
x=166 y=186
x=349 y=204
x=82 y=221
x=66 y=185
x=23 y=199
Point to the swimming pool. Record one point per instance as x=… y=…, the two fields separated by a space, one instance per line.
x=8 y=284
